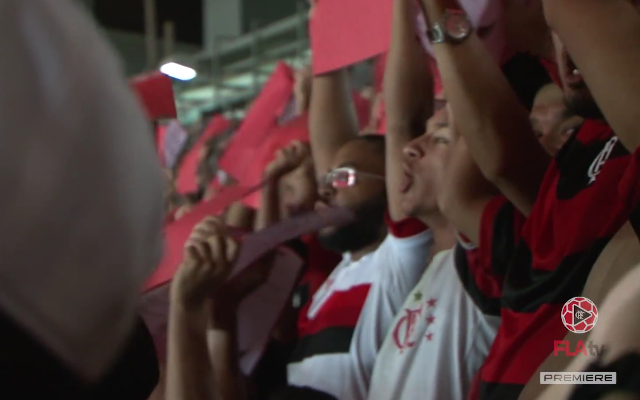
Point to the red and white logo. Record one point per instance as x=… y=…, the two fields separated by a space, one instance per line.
x=579 y=315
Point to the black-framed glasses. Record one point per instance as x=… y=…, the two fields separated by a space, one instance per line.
x=346 y=177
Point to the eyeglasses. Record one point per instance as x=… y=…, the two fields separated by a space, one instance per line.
x=346 y=177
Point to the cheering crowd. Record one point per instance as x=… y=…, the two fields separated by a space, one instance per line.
x=498 y=208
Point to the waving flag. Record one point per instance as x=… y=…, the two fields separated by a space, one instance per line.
x=174 y=139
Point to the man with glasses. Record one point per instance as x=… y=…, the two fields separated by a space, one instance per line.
x=384 y=253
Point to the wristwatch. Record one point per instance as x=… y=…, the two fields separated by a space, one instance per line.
x=454 y=27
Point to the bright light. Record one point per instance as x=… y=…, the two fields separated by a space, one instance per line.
x=178 y=71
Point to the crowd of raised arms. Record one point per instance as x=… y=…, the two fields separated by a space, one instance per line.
x=488 y=251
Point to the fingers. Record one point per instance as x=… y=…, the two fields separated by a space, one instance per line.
x=218 y=247
x=198 y=240
x=208 y=227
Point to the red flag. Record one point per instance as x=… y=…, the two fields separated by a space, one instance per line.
x=344 y=32
x=186 y=180
x=177 y=233
x=155 y=92
x=161 y=132
x=363 y=109
x=261 y=118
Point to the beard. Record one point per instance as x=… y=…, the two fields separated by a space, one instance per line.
x=583 y=105
x=362 y=232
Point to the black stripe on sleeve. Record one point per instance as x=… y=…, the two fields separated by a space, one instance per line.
x=334 y=340
x=504 y=238
x=488 y=305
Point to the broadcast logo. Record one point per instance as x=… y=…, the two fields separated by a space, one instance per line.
x=579 y=315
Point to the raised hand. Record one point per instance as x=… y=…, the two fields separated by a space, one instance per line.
x=288 y=159
x=208 y=258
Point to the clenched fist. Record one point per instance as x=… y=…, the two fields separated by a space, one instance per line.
x=208 y=258
x=288 y=159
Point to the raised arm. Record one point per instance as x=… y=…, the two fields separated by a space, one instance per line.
x=495 y=125
x=332 y=117
x=203 y=349
x=616 y=335
x=603 y=38
x=408 y=96
x=463 y=199
x=189 y=371
x=287 y=160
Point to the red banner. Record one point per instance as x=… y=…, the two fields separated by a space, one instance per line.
x=186 y=180
x=259 y=121
x=344 y=32
x=155 y=92
x=177 y=233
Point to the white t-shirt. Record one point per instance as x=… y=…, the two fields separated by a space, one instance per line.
x=80 y=189
x=437 y=343
x=341 y=335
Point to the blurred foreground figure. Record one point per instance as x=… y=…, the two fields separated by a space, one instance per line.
x=80 y=208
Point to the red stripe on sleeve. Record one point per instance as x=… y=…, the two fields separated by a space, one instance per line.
x=341 y=309
x=405 y=228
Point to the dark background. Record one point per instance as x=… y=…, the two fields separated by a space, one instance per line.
x=128 y=15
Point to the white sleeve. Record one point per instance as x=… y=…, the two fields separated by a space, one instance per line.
x=80 y=188
x=400 y=263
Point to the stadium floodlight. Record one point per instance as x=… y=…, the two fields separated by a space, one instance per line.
x=178 y=71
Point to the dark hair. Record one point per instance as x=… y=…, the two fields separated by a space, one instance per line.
x=527 y=76
x=376 y=140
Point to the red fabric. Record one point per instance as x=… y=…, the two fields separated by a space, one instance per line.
x=590 y=190
x=382 y=122
x=259 y=121
x=161 y=131
x=320 y=263
x=186 y=179
x=177 y=232
x=341 y=309
x=381 y=66
x=500 y=229
x=363 y=109
x=155 y=92
x=552 y=69
x=405 y=228
x=279 y=137
x=344 y=32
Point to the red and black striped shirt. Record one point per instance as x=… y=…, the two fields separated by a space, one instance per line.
x=588 y=193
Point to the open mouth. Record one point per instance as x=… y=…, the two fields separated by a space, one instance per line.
x=407 y=181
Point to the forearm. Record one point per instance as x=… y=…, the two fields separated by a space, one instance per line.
x=603 y=39
x=223 y=347
x=269 y=211
x=490 y=117
x=189 y=374
x=408 y=84
x=332 y=118
x=467 y=191
x=408 y=95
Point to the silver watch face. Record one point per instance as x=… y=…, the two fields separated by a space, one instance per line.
x=458 y=26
